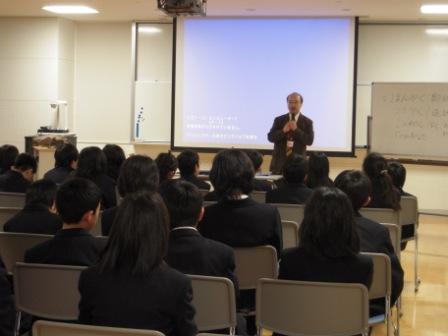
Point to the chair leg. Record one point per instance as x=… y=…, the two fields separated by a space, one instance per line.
x=232 y=331
x=416 y=279
x=387 y=316
x=17 y=324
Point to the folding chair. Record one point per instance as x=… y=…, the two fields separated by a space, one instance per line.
x=290 y=233
x=259 y=196
x=214 y=302
x=48 y=328
x=10 y=199
x=14 y=245
x=6 y=213
x=291 y=212
x=46 y=291
x=381 y=215
x=312 y=308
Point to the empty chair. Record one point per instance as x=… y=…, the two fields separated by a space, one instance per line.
x=14 y=245
x=10 y=199
x=6 y=213
x=381 y=215
x=259 y=196
x=48 y=328
x=291 y=212
x=47 y=291
x=290 y=233
x=312 y=308
x=214 y=302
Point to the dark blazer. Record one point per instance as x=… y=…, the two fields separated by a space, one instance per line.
x=263 y=185
x=107 y=219
x=196 y=181
x=242 y=223
x=59 y=174
x=34 y=218
x=292 y=193
x=297 y=264
x=159 y=301
x=7 y=308
x=375 y=238
x=303 y=136
x=13 y=181
x=107 y=186
x=190 y=253
x=75 y=247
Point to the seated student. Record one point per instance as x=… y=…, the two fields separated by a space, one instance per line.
x=138 y=173
x=384 y=194
x=167 y=164
x=318 y=170
x=293 y=189
x=329 y=247
x=115 y=157
x=92 y=165
x=39 y=214
x=374 y=237
x=188 y=162
x=78 y=204
x=188 y=251
x=237 y=220
x=8 y=155
x=7 y=307
x=66 y=159
x=20 y=176
x=257 y=160
x=131 y=286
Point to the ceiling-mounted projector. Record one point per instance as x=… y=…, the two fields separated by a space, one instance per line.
x=182 y=7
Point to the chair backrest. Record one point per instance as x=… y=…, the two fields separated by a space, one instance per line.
x=290 y=233
x=96 y=230
x=291 y=212
x=14 y=245
x=204 y=192
x=49 y=328
x=47 y=291
x=207 y=203
x=312 y=308
x=409 y=210
x=382 y=276
x=395 y=237
x=254 y=263
x=214 y=302
x=10 y=199
x=6 y=213
x=381 y=215
x=259 y=196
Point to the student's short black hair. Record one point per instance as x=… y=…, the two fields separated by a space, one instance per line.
x=356 y=185
x=397 y=172
x=138 y=173
x=187 y=161
x=183 y=200
x=8 y=155
x=24 y=162
x=41 y=192
x=76 y=197
x=91 y=163
x=232 y=173
x=167 y=163
x=295 y=168
x=256 y=157
x=115 y=157
x=328 y=228
x=65 y=155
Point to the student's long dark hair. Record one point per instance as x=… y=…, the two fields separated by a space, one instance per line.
x=328 y=227
x=318 y=171
x=138 y=239
x=375 y=166
x=8 y=155
x=91 y=163
x=115 y=157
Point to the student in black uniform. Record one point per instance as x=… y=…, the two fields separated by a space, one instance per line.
x=167 y=164
x=39 y=214
x=78 y=204
x=7 y=308
x=318 y=170
x=257 y=160
x=188 y=161
x=66 y=159
x=20 y=176
x=132 y=287
x=8 y=155
x=115 y=157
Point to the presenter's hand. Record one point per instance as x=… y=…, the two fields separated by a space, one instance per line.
x=286 y=128
x=292 y=125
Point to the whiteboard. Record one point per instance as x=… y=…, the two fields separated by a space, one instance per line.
x=410 y=119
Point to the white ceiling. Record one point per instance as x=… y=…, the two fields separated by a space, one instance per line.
x=129 y=10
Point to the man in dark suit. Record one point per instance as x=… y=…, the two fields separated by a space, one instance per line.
x=39 y=214
x=66 y=159
x=20 y=176
x=290 y=133
x=293 y=189
x=188 y=251
x=373 y=236
x=188 y=161
x=78 y=204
